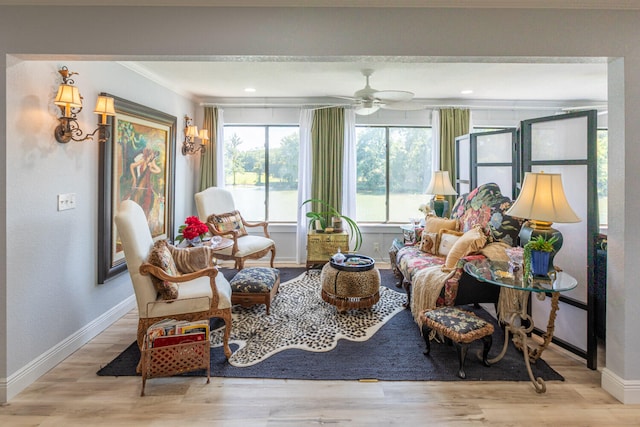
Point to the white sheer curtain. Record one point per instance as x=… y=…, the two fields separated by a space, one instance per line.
x=220 y=149
x=435 y=148
x=304 y=183
x=349 y=176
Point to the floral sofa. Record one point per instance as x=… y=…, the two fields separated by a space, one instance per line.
x=478 y=218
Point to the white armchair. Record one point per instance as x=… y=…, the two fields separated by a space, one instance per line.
x=216 y=208
x=201 y=294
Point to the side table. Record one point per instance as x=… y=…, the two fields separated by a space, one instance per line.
x=321 y=246
x=499 y=274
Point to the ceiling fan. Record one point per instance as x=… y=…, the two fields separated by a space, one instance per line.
x=368 y=100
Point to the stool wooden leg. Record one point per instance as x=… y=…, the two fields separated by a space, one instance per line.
x=486 y=342
x=461 y=349
x=425 y=334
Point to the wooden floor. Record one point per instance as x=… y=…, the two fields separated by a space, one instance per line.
x=72 y=394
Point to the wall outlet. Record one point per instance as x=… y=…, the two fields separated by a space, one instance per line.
x=66 y=201
x=376 y=247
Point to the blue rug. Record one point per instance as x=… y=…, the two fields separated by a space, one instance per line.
x=393 y=353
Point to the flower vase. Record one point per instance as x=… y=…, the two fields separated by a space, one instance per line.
x=540 y=263
x=196 y=241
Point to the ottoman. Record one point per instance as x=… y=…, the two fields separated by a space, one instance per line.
x=350 y=289
x=255 y=285
x=461 y=327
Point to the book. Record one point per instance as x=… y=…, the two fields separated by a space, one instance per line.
x=164 y=341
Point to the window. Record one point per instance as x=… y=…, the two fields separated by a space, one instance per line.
x=393 y=170
x=261 y=171
x=603 y=174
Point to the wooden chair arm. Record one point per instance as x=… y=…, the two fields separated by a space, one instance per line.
x=233 y=235
x=212 y=272
x=262 y=224
x=156 y=271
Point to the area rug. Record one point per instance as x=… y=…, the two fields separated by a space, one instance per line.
x=300 y=319
x=394 y=352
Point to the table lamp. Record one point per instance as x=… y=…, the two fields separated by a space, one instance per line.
x=542 y=202
x=440 y=186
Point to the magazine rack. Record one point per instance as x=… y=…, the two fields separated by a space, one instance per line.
x=174 y=359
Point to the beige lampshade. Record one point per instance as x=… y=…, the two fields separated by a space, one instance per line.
x=192 y=131
x=204 y=134
x=440 y=184
x=104 y=107
x=542 y=199
x=68 y=96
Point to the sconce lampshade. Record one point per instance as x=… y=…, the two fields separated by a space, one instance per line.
x=104 y=107
x=192 y=131
x=204 y=134
x=68 y=96
x=543 y=200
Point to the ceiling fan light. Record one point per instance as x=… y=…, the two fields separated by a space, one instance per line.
x=365 y=111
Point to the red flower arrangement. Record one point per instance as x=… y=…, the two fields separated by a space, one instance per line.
x=192 y=228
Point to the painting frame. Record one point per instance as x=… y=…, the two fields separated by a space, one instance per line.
x=133 y=125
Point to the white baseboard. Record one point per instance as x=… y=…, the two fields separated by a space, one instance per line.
x=28 y=374
x=626 y=391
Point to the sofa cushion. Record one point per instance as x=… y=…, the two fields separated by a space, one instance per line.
x=160 y=256
x=434 y=224
x=470 y=242
x=227 y=222
x=486 y=206
x=255 y=280
x=429 y=242
x=446 y=240
x=410 y=260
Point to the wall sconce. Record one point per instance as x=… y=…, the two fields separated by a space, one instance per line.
x=189 y=145
x=69 y=100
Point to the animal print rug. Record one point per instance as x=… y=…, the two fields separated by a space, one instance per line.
x=300 y=319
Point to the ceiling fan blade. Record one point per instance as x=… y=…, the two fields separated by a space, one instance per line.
x=404 y=106
x=393 y=95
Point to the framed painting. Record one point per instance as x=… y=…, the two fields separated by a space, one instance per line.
x=136 y=163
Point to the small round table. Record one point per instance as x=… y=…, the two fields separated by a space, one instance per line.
x=350 y=288
x=516 y=316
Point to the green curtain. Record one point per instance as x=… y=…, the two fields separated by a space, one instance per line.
x=453 y=123
x=327 y=148
x=208 y=165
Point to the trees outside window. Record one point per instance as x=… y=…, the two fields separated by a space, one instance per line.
x=393 y=170
x=261 y=171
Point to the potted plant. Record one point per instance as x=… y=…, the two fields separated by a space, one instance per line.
x=537 y=254
x=318 y=220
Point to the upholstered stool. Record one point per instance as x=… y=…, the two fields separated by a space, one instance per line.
x=255 y=285
x=461 y=327
x=350 y=289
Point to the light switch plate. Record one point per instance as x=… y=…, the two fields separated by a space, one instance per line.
x=66 y=201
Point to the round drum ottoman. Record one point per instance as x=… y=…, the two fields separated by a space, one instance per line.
x=350 y=289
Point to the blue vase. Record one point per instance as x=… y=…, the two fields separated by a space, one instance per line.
x=540 y=263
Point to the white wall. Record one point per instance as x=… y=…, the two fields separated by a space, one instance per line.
x=125 y=32
x=52 y=262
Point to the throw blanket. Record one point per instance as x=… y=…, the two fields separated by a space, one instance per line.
x=425 y=289
x=428 y=283
x=193 y=259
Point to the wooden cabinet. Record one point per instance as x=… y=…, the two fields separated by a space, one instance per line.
x=321 y=246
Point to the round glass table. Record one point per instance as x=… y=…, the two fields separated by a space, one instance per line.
x=514 y=298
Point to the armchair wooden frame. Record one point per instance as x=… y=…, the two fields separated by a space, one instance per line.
x=234 y=235
x=214 y=311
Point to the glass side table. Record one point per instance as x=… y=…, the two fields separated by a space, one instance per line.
x=499 y=274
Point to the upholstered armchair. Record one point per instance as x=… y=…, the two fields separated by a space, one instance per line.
x=165 y=292
x=217 y=209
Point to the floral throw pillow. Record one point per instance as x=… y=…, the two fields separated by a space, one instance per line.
x=160 y=256
x=227 y=222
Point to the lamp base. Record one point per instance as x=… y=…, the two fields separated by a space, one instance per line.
x=440 y=207
x=528 y=233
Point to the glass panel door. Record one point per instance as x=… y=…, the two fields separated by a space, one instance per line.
x=566 y=144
